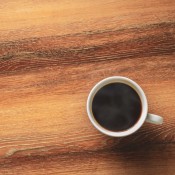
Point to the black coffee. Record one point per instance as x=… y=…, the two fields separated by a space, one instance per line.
x=116 y=107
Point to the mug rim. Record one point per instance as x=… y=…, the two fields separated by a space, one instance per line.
x=132 y=84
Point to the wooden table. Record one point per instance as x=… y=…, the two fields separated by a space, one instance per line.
x=52 y=52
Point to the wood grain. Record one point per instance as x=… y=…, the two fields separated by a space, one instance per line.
x=52 y=53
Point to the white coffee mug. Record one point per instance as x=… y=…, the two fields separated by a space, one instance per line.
x=145 y=116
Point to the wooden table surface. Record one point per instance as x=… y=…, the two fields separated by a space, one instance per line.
x=52 y=52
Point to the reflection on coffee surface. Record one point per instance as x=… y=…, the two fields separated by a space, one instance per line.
x=116 y=107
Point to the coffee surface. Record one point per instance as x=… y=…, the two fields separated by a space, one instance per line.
x=116 y=107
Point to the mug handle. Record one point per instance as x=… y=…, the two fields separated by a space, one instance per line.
x=155 y=119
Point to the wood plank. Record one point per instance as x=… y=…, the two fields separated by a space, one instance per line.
x=146 y=160
x=23 y=19
x=52 y=53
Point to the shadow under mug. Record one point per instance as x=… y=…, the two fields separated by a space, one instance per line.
x=145 y=116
